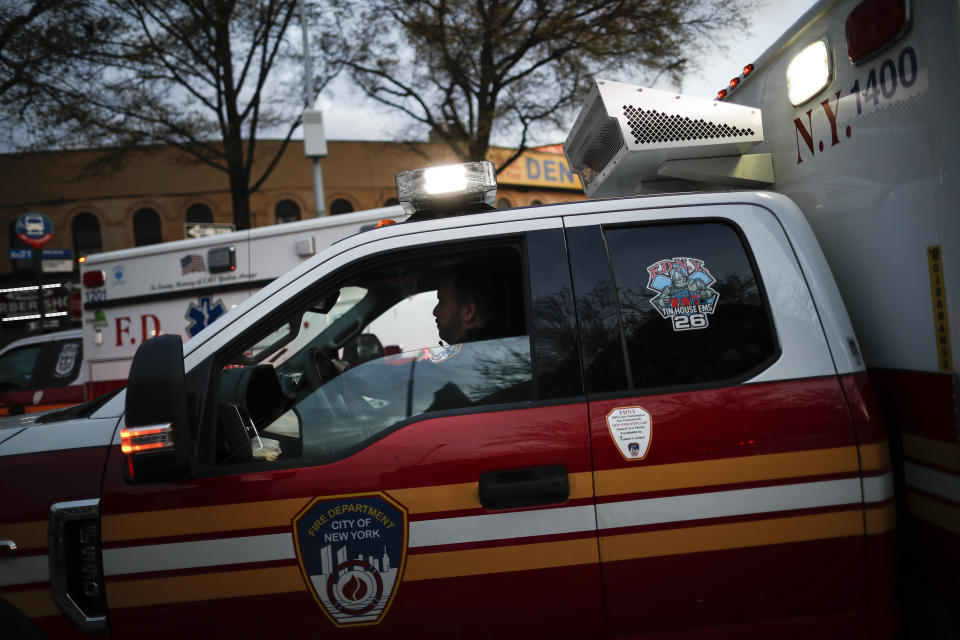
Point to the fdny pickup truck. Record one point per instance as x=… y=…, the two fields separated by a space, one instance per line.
x=668 y=427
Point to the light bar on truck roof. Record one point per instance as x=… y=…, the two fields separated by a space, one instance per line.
x=437 y=192
x=627 y=136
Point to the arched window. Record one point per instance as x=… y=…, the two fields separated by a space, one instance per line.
x=86 y=235
x=340 y=205
x=391 y=202
x=199 y=212
x=146 y=227
x=287 y=211
x=503 y=203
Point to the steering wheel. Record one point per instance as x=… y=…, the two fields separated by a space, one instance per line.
x=319 y=368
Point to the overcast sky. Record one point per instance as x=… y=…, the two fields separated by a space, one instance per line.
x=349 y=116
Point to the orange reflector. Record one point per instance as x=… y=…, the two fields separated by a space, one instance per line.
x=137 y=439
x=386 y=222
x=747 y=70
x=734 y=82
x=721 y=94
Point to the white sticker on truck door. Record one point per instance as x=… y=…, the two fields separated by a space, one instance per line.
x=631 y=429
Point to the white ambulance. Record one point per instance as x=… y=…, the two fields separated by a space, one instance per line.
x=181 y=287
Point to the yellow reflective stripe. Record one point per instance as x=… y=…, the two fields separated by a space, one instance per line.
x=204 y=586
x=448 y=564
x=938 y=452
x=881 y=519
x=736 y=535
x=472 y=562
x=682 y=475
x=457 y=497
x=875 y=456
x=941 y=514
x=37 y=408
x=27 y=535
x=280 y=513
x=465 y=496
x=36 y=603
x=447 y=497
x=523 y=557
x=193 y=520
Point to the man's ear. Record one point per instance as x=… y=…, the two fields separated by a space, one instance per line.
x=468 y=311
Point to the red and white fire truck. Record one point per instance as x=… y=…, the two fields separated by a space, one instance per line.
x=662 y=425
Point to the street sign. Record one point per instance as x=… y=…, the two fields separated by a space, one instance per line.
x=57 y=266
x=34 y=228
x=57 y=254
x=21 y=254
x=204 y=229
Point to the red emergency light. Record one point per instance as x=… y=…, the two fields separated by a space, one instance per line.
x=94 y=278
x=873 y=24
x=747 y=70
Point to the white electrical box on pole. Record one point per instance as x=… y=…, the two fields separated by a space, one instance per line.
x=314 y=140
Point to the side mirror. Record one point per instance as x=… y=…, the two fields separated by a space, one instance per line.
x=156 y=438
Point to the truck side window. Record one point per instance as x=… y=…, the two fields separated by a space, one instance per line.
x=690 y=303
x=17 y=367
x=371 y=350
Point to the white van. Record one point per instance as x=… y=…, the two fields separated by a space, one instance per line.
x=41 y=372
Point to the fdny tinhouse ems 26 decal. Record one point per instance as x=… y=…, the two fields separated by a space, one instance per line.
x=631 y=429
x=684 y=295
x=352 y=551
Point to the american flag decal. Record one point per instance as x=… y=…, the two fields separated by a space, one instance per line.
x=191 y=263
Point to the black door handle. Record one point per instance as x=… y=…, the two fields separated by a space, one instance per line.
x=512 y=488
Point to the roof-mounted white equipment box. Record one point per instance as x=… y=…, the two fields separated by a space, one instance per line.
x=628 y=138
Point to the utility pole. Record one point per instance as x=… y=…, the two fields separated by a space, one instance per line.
x=314 y=140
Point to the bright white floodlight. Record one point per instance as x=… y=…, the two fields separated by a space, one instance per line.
x=809 y=72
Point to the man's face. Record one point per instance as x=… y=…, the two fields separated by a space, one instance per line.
x=448 y=313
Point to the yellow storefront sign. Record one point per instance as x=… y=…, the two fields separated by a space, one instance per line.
x=535 y=169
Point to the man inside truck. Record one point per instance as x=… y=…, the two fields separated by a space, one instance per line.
x=468 y=306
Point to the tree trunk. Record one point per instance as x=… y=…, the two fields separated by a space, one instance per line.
x=240 y=197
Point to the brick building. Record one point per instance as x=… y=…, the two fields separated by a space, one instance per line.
x=158 y=190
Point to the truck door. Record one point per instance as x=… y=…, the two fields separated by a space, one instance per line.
x=726 y=469
x=352 y=472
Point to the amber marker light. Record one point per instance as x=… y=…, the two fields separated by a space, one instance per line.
x=386 y=222
x=747 y=70
x=139 y=439
x=734 y=82
x=721 y=94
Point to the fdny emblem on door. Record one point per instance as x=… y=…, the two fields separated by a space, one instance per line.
x=683 y=292
x=352 y=551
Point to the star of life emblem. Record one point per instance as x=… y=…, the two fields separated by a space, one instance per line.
x=202 y=314
x=684 y=292
x=352 y=551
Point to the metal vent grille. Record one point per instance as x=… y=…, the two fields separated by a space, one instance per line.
x=650 y=127
x=596 y=143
